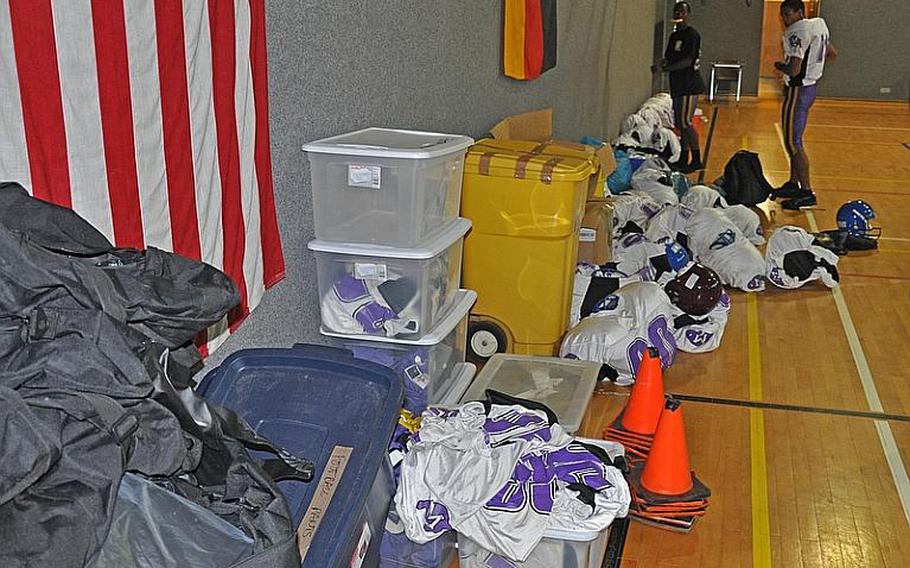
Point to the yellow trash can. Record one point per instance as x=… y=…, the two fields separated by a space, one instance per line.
x=526 y=201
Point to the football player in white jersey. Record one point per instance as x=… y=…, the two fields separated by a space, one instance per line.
x=807 y=45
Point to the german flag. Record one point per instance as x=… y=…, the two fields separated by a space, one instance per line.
x=528 y=38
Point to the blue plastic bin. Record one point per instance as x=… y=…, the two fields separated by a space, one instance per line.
x=310 y=399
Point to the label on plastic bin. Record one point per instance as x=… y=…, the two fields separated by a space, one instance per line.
x=587 y=235
x=369 y=177
x=370 y=271
x=322 y=497
x=360 y=551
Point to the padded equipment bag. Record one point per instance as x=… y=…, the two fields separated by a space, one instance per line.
x=744 y=180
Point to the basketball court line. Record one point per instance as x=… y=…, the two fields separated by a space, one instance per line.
x=792 y=408
x=878 y=276
x=761 y=525
x=885 y=435
x=863 y=127
x=701 y=175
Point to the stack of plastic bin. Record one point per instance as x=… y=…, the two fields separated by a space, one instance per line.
x=388 y=253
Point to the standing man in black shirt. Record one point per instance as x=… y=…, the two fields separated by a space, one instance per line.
x=681 y=61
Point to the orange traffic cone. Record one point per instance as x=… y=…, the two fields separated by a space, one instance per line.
x=665 y=492
x=643 y=410
x=667 y=469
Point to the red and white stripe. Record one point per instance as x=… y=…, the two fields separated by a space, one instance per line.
x=150 y=119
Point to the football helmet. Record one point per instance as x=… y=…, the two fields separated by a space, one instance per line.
x=696 y=290
x=854 y=217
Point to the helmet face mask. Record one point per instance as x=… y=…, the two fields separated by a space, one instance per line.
x=854 y=217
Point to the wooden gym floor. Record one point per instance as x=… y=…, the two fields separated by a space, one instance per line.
x=797 y=487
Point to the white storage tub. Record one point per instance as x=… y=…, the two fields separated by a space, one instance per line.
x=388 y=291
x=385 y=186
x=565 y=386
x=431 y=363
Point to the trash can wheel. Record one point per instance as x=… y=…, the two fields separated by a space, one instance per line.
x=485 y=339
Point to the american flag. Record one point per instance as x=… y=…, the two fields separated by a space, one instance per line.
x=149 y=118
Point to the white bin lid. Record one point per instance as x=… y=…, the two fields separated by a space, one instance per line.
x=564 y=385
x=429 y=249
x=464 y=299
x=391 y=143
x=464 y=374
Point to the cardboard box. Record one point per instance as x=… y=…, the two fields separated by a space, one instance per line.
x=595 y=240
x=538 y=125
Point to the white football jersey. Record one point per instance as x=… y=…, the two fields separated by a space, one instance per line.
x=701 y=196
x=747 y=221
x=635 y=255
x=808 y=40
x=653 y=180
x=636 y=132
x=635 y=207
x=701 y=334
x=635 y=317
x=592 y=284
x=665 y=110
x=793 y=259
x=357 y=307
x=719 y=244
x=669 y=224
x=651 y=116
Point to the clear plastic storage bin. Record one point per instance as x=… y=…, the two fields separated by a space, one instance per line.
x=564 y=385
x=430 y=364
x=384 y=186
x=557 y=548
x=388 y=291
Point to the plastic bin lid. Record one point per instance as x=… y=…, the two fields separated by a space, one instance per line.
x=524 y=159
x=564 y=385
x=314 y=400
x=464 y=374
x=391 y=143
x=426 y=250
x=464 y=299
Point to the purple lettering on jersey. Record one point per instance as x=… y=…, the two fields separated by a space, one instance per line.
x=533 y=484
x=632 y=239
x=530 y=426
x=649 y=211
x=776 y=277
x=660 y=337
x=350 y=289
x=698 y=337
x=724 y=300
x=372 y=317
x=575 y=464
x=435 y=516
x=756 y=283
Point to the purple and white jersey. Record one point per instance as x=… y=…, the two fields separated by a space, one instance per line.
x=817 y=263
x=705 y=333
x=632 y=207
x=492 y=477
x=357 y=307
x=747 y=221
x=669 y=224
x=719 y=244
x=653 y=180
x=635 y=317
x=635 y=255
x=702 y=197
x=590 y=279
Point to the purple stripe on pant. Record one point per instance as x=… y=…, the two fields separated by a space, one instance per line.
x=800 y=117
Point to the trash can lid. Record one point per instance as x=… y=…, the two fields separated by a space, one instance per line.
x=546 y=161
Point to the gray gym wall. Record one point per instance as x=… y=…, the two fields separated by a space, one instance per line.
x=431 y=65
x=871 y=36
x=874 y=46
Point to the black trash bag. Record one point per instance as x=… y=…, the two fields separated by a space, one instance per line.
x=96 y=362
